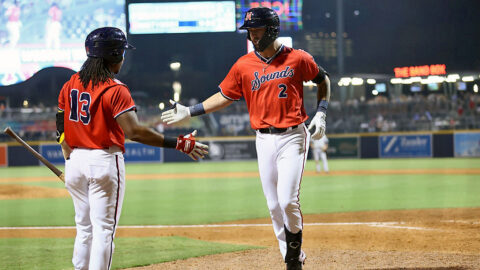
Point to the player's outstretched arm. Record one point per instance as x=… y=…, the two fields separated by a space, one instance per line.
x=130 y=125
x=187 y=144
x=318 y=122
x=179 y=112
x=216 y=102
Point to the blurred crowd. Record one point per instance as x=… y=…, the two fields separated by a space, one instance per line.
x=405 y=113
x=432 y=112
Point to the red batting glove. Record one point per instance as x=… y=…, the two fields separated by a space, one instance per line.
x=189 y=146
x=185 y=144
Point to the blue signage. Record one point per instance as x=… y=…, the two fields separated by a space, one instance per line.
x=134 y=152
x=53 y=153
x=137 y=152
x=467 y=144
x=405 y=146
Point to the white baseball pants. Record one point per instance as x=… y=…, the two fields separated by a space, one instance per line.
x=319 y=154
x=96 y=181
x=281 y=160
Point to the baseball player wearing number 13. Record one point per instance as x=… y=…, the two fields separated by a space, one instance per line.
x=96 y=111
x=271 y=81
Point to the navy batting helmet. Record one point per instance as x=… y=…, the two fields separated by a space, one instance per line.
x=262 y=17
x=108 y=43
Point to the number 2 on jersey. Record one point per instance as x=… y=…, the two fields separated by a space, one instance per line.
x=84 y=101
x=283 y=91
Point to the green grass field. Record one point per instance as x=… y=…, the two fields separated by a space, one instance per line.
x=212 y=200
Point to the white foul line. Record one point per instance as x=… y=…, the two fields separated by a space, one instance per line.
x=462 y=221
x=392 y=225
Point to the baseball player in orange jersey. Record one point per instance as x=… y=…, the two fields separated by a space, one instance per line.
x=96 y=111
x=271 y=81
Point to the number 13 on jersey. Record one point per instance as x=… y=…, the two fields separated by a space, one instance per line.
x=79 y=106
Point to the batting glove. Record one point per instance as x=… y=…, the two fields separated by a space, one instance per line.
x=318 y=122
x=189 y=146
x=176 y=114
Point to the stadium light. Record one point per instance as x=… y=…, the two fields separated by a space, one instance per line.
x=371 y=81
x=374 y=92
x=25 y=103
x=433 y=79
x=436 y=79
x=407 y=81
x=468 y=79
x=453 y=76
x=475 y=88
x=175 y=66
x=396 y=81
x=357 y=81
x=161 y=105
x=177 y=87
x=345 y=81
x=310 y=83
x=416 y=79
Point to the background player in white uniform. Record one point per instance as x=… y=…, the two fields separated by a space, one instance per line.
x=319 y=150
x=96 y=111
x=271 y=81
x=14 y=23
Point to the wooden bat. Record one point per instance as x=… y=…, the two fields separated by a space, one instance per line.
x=47 y=163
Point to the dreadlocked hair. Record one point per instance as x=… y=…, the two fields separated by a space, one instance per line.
x=95 y=70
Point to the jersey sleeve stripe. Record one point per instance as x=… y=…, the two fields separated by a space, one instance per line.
x=60 y=109
x=124 y=111
x=225 y=96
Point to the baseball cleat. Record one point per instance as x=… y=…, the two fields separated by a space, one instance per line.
x=297 y=264
x=294 y=265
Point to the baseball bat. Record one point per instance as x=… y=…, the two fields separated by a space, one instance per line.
x=47 y=163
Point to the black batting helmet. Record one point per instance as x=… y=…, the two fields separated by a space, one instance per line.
x=262 y=17
x=108 y=43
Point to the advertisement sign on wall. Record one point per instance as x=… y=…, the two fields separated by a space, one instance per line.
x=53 y=153
x=343 y=147
x=405 y=146
x=231 y=150
x=134 y=152
x=467 y=144
x=137 y=152
x=3 y=156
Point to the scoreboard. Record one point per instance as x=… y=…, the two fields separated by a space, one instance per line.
x=181 y=17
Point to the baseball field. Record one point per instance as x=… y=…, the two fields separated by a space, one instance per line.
x=364 y=214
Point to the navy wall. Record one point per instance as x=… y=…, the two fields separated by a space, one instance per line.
x=20 y=156
x=443 y=145
x=369 y=147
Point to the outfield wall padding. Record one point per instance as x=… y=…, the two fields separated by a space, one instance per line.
x=20 y=156
x=442 y=145
x=369 y=147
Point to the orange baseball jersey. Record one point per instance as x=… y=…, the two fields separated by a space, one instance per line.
x=89 y=119
x=272 y=88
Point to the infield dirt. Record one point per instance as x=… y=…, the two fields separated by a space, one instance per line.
x=401 y=239
x=413 y=239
